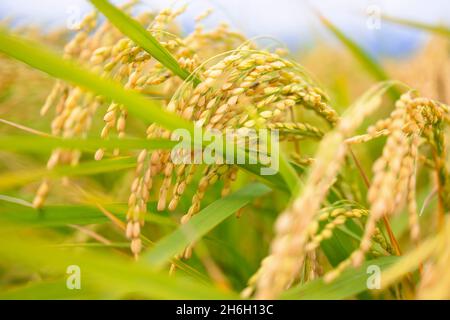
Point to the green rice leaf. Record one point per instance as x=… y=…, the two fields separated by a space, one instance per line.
x=99 y=272
x=60 y=215
x=18 y=178
x=289 y=174
x=47 y=144
x=47 y=290
x=137 y=104
x=202 y=223
x=349 y=284
x=368 y=62
x=132 y=29
x=338 y=248
x=42 y=59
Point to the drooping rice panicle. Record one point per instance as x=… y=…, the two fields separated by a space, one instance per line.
x=395 y=171
x=288 y=248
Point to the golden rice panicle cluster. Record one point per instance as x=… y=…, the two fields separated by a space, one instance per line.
x=288 y=249
x=252 y=89
x=435 y=137
x=325 y=224
x=394 y=173
x=291 y=244
x=73 y=108
x=247 y=89
x=115 y=56
x=159 y=161
x=104 y=49
x=128 y=63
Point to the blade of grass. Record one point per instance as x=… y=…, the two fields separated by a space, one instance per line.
x=368 y=62
x=60 y=215
x=132 y=29
x=201 y=224
x=46 y=144
x=438 y=29
x=24 y=128
x=349 y=284
x=49 y=62
x=117 y=276
x=18 y=178
x=341 y=244
x=52 y=216
x=338 y=248
x=47 y=290
x=115 y=245
x=22 y=215
x=144 y=39
x=137 y=104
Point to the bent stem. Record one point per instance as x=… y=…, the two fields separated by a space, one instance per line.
x=438 y=150
x=386 y=223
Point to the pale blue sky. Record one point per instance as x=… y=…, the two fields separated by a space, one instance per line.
x=291 y=21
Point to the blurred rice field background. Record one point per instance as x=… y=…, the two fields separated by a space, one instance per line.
x=223 y=236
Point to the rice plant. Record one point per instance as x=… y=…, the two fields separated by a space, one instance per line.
x=90 y=176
